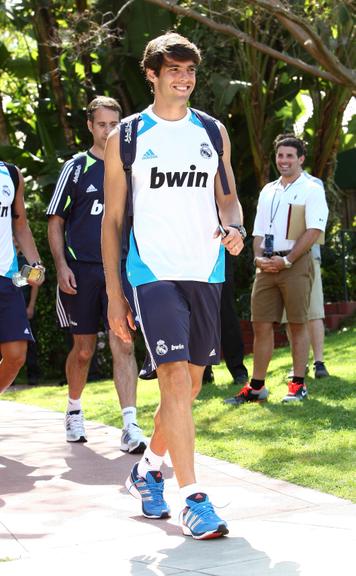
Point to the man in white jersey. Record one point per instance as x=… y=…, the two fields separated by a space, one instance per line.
x=15 y=331
x=175 y=265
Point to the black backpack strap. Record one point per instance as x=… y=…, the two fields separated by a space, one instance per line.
x=14 y=175
x=128 y=139
x=215 y=137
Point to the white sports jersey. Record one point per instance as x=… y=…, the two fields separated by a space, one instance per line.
x=8 y=259
x=174 y=210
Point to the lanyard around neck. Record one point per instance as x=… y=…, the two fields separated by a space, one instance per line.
x=273 y=214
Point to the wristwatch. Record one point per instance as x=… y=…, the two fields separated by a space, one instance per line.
x=287 y=263
x=241 y=229
x=38 y=264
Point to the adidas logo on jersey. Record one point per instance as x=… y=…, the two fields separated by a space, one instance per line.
x=212 y=353
x=149 y=155
x=91 y=188
x=26 y=331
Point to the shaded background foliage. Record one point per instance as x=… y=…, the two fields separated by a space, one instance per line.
x=56 y=56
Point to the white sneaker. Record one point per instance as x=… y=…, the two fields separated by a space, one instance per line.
x=133 y=440
x=74 y=424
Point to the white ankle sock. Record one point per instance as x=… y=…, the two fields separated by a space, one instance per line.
x=129 y=415
x=188 y=490
x=74 y=405
x=149 y=461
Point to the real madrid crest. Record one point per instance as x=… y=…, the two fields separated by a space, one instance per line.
x=205 y=150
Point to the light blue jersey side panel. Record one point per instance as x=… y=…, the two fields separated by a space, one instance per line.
x=137 y=272
x=13 y=267
x=218 y=273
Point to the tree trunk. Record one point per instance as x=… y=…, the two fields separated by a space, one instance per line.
x=45 y=27
x=329 y=113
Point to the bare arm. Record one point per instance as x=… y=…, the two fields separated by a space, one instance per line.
x=32 y=303
x=115 y=191
x=65 y=276
x=230 y=210
x=21 y=229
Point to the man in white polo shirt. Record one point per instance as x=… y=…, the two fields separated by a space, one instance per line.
x=284 y=268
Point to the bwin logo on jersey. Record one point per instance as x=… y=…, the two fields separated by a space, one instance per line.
x=4 y=210
x=161 y=348
x=96 y=208
x=205 y=150
x=179 y=179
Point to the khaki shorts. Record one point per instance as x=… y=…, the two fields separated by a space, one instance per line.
x=316 y=306
x=289 y=289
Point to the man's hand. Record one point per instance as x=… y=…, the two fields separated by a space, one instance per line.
x=30 y=312
x=66 y=280
x=272 y=265
x=233 y=241
x=121 y=319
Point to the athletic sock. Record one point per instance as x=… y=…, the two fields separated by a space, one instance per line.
x=74 y=405
x=189 y=490
x=129 y=415
x=256 y=385
x=298 y=380
x=149 y=461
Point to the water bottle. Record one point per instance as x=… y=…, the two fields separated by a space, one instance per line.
x=33 y=272
x=19 y=280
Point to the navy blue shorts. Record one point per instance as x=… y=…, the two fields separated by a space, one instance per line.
x=14 y=325
x=84 y=312
x=180 y=320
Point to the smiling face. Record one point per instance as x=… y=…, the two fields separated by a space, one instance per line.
x=175 y=82
x=288 y=163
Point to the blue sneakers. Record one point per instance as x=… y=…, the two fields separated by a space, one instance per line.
x=150 y=490
x=198 y=519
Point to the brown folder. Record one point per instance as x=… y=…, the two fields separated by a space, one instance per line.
x=296 y=225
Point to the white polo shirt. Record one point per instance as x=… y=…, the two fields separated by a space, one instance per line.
x=273 y=209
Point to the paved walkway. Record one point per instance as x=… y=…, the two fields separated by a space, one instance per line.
x=64 y=509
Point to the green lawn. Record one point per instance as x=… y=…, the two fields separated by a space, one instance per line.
x=312 y=443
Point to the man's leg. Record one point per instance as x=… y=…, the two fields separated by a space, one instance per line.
x=316 y=335
x=300 y=348
x=263 y=345
x=175 y=420
x=78 y=362
x=124 y=370
x=299 y=341
x=125 y=379
x=77 y=368
x=316 y=332
x=13 y=358
x=231 y=335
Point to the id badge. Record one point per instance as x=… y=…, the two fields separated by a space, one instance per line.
x=268 y=251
